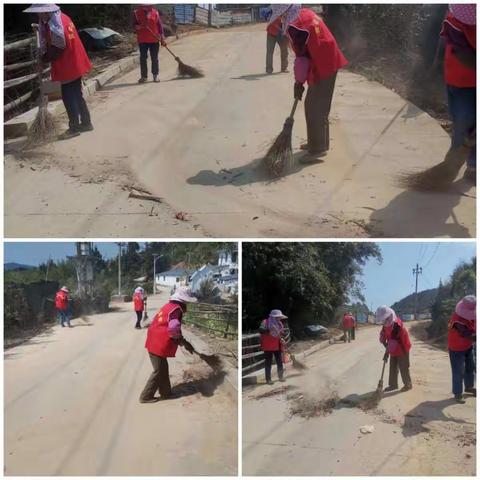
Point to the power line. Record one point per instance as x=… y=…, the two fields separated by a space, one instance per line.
x=424 y=252
x=433 y=255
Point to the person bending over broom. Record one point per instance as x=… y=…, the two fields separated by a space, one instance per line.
x=60 y=44
x=317 y=61
x=394 y=337
x=271 y=330
x=164 y=335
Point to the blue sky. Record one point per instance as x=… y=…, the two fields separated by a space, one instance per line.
x=35 y=253
x=393 y=279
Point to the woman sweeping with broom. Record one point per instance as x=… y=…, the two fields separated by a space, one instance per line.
x=394 y=337
x=317 y=62
x=163 y=338
x=60 y=45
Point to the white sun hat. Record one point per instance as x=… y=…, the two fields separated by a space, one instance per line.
x=42 y=8
x=183 y=294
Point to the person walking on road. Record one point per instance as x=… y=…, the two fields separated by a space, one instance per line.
x=139 y=299
x=394 y=336
x=148 y=26
x=164 y=335
x=317 y=61
x=459 y=33
x=62 y=304
x=61 y=46
x=271 y=330
x=461 y=338
x=348 y=324
x=275 y=35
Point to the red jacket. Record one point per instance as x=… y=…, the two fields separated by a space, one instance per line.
x=73 y=63
x=275 y=27
x=158 y=340
x=397 y=339
x=61 y=300
x=138 y=304
x=269 y=343
x=456 y=73
x=322 y=49
x=457 y=342
x=148 y=17
x=348 y=321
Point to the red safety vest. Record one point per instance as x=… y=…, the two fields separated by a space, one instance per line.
x=158 y=340
x=274 y=27
x=73 y=63
x=61 y=300
x=147 y=17
x=396 y=347
x=456 y=342
x=138 y=302
x=325 y=56
x=269 y=343
x=348 y=321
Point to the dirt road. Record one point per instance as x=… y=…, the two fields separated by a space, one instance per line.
x=420 y=432
x=197 y=144
x=71 y=406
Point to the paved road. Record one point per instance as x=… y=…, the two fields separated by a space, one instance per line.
x=197 y=144
x=421 y=432
x=71 y=406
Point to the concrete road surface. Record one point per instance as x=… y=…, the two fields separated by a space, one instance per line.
x=197 y=144
x=71 y=406
x=420 y=432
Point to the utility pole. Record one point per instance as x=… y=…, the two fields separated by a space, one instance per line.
x=120 y=244
x=416 y=271
x=156 y=256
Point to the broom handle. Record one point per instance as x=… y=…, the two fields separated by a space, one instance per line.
x=160 y=39
x=292 y=113
x=40 y=71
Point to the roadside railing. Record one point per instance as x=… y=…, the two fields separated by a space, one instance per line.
x=252 y=354
x=218 y=320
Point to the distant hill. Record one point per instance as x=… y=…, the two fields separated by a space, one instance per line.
x=407 y=304
x=16 y=266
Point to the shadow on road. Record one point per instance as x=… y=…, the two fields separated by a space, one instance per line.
x=251 y=173
x=429 y=411
x=386 y=222
x=255 y=76
x=115 y=86
x=206 y=386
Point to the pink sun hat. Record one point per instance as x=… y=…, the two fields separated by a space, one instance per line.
x=464 y=12
x=467 y=308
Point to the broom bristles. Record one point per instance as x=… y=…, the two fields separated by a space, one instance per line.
x=279 y=157
x=43 y=128
x=297 y=364
x=212 y=361
x=185 y=70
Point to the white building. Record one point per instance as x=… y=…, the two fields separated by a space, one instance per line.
x=173 y=278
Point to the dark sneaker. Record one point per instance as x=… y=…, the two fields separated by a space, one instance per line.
x=390 y=389
x=67 y=134
x=142 y=80
x=285 y=70
x=156 y=79
x=86 y=128
x=471 y=174
x=406 y=388
x=459 y=399
x=281 y=379
x=269 y=72
x=150 y=400
x=269 y=382
x=472 y=391
x=170 y=396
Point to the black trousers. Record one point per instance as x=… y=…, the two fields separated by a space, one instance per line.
x=139 y=317
x=158 y=380
x=153 y=48
x=268 y=364
x=75 y=104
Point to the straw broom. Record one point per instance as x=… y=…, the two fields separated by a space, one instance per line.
x=43 y=128
x=213 y=361
x=184 y=70
x=440 y=176
x=279 y=157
